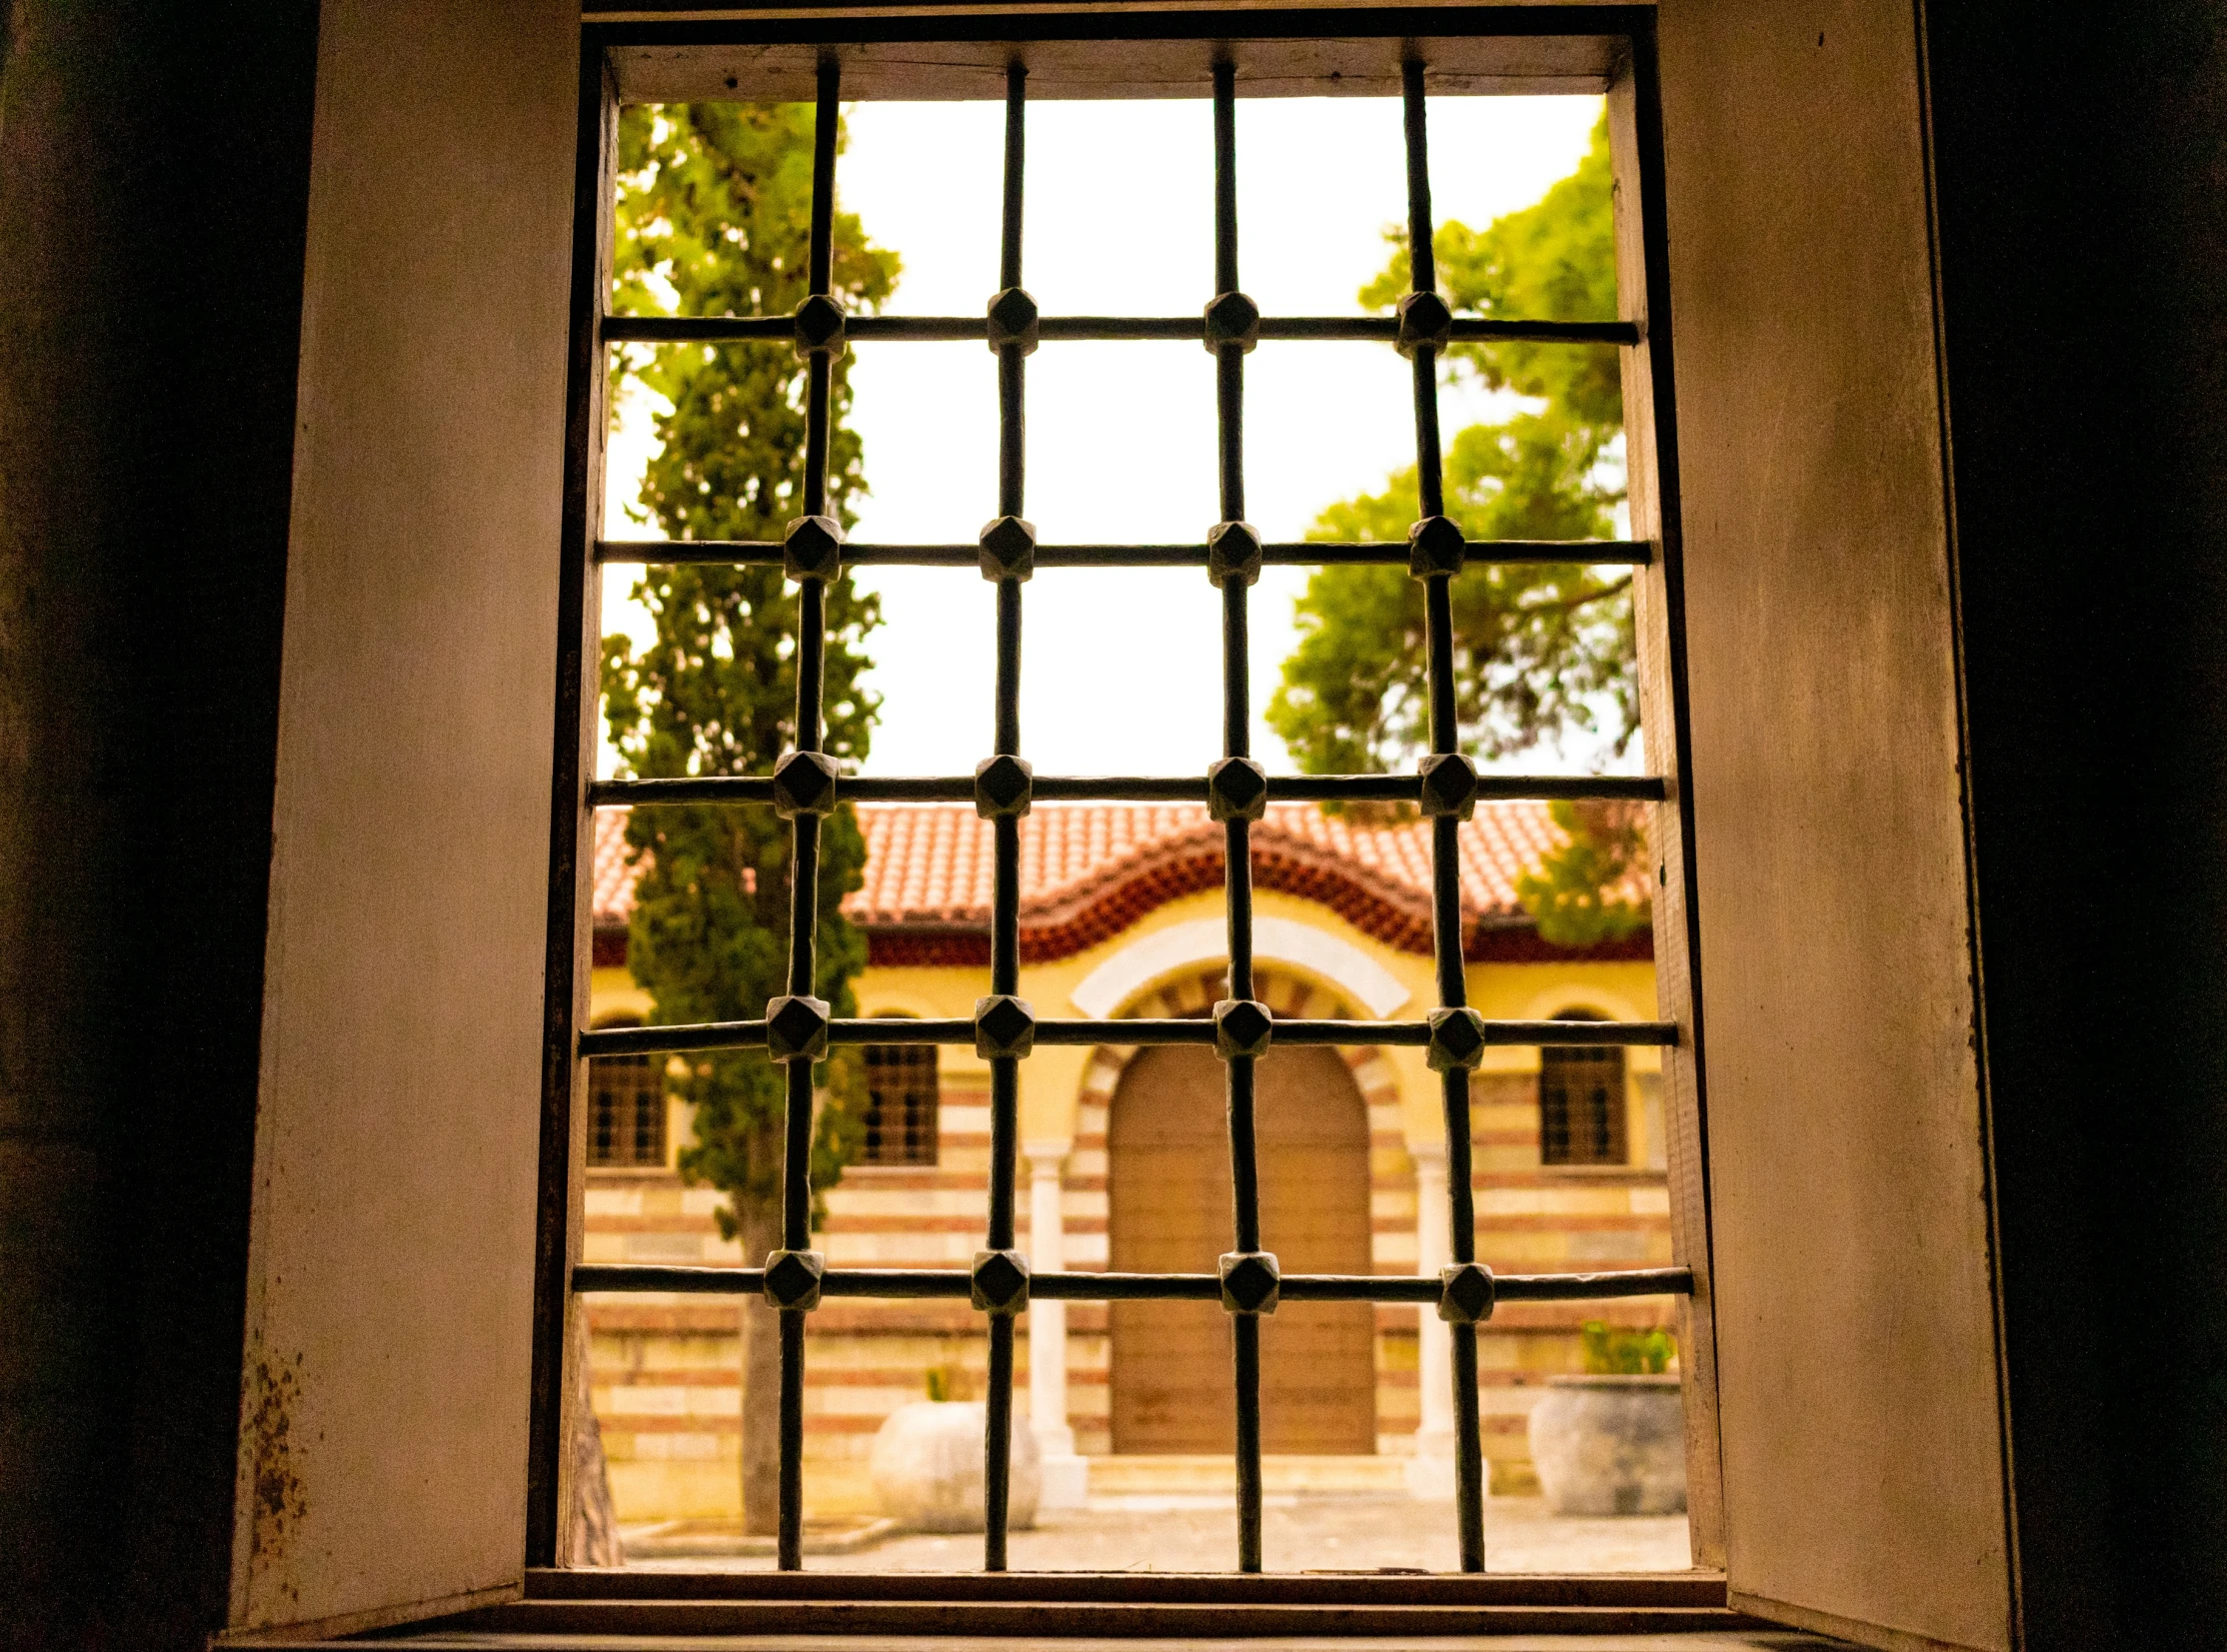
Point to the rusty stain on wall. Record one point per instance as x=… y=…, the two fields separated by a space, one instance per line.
x=273 y=1483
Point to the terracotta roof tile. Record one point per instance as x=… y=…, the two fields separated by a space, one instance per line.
x=1090 y=870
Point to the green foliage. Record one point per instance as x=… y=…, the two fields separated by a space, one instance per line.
x=715 y=209
x=1554 y=259
x=1570 y=892
x=1539 y=651
x=1626 y=1353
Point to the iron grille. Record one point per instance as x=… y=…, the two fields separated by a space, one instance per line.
x=806 y=785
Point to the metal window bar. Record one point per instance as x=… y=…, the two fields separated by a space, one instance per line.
x=1273 y=553
x=1102 y=329
x=797 y=1028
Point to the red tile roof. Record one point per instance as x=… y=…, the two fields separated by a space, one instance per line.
x=1089 y=870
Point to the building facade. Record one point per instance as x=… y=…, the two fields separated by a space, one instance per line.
x=1125 y=1161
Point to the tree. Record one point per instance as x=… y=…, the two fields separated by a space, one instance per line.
x=1571 y=894
x=714 y=218
x=1539 y=651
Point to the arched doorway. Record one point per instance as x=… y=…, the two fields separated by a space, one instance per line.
x=1168 y=1186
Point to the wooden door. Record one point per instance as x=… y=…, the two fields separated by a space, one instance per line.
x=1170 y=1212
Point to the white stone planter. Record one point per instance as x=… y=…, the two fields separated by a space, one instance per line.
x=926 y=1468
x=1610 y=1445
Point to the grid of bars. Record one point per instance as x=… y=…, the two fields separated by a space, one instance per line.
x=797 y=1028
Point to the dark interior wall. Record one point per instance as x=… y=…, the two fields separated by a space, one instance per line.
x=153 y=179
x=153 y=175
x=2081 y=166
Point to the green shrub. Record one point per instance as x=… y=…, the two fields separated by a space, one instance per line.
x=946 y=1381
x=1626 y=1353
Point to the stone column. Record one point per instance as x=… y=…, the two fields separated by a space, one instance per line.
x=1067 y=1477
x=1430 y=1469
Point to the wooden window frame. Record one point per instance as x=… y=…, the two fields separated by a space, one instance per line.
x=1634 y=97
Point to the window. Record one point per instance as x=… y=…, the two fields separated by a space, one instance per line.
x=901 y=1104
x=626 y=1111
x=1212 y=58
x=1582 y=1100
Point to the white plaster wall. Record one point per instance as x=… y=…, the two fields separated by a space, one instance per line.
x=383 y=1454
x=1855 y=1331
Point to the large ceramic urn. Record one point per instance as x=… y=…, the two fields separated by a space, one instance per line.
x=1610 y=1445
x=926 y=1468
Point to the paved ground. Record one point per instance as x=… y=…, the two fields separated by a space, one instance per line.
x=1321 y=1532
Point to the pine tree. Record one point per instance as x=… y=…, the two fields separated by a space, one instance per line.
x=713 y=217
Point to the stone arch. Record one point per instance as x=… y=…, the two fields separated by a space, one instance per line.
x=1550 y=1002
x=1359 y=978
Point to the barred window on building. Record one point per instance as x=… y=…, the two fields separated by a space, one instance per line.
x=901 y=1105
x=626 y=1111
x=1582 y=1101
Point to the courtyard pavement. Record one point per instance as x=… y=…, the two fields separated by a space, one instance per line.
x=1301 y=1532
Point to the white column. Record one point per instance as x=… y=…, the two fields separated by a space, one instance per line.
x=1431 y=1470
x=1067 y=1477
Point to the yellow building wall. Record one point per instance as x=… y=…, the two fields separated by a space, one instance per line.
x=665 y=1371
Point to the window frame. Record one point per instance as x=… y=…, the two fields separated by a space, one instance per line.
x=1634 y=98
x=912 y=1056
x=1615 y=1114
x=657 y=1109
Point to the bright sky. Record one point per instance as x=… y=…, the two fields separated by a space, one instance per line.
x=1120 y=668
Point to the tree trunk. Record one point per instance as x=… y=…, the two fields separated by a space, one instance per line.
x=761 y=1232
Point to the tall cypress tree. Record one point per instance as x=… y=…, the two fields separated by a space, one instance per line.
x=714 y=218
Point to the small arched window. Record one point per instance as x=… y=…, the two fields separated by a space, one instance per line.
x=626 y=1110
x=901 y=1105
x=1582 y=1100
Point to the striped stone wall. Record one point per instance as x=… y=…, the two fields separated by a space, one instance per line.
x=667 y=1369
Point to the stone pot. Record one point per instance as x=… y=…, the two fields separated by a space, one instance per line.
x=1610 y=1445
x=926 y=1468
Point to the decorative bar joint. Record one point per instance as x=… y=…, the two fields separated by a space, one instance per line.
x=1424 y=324
x=1233 y=320
x=1434 y=546
x=805 y=784
x=1004 y=1025
x=793 y=1278
x=1013 y=321
x=812 y=549
x=1003 y=785
x=1449 y=786
x=1457 y=1039
x=1237 y=790
x=1009 y=549
x=819 y=328
x=1233 y=552
x=1250 y=1282
x=797 y=1028
x=1465 y=1293
x=1000 y=1282
x=1243 y=1026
